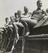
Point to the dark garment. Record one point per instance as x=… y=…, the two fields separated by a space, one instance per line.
x=38 y=14
x=39 y=30
x=26 y=28
x=9 y=37
x=38 y=11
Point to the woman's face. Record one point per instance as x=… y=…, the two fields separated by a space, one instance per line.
x=19 y=13
x=46 y=10
x=7 y=20
x=39 y=4
x=16 y=15
x=25 y=10
x=12 y=19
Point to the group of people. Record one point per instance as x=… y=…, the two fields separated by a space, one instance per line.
x=24 y=20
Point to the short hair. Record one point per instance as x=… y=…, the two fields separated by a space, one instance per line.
x=15 y=13
x=39 y=1
x=47 y=10
x=25 y=8
x=6 y=18
x=18 y=12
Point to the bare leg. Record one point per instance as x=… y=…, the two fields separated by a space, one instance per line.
x=14 y=43
x=32 y=21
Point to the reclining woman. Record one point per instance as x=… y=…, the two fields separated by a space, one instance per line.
x=37 y=15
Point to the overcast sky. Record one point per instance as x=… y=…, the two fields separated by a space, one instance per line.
x=8 y=7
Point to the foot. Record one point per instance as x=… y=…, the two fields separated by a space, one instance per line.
x=11 y=52
x=27 y=34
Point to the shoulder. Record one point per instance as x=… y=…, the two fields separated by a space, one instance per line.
x=43 y=12
x=9 y=22
x=23 y=14
x=34 y=12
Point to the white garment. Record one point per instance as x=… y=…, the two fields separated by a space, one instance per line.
x=28 y=15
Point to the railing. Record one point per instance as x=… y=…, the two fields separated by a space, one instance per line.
x=33 y=37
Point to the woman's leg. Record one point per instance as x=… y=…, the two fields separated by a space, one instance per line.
x=19 y=24
x=16 y=37
x=31 y=21
x=23 y=25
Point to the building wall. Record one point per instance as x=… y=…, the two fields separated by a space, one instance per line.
x=34 y=46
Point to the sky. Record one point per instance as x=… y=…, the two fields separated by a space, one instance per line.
x=9 y=7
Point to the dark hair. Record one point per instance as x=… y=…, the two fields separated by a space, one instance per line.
x=25 y=8
x=18 y=11
x=47 y=10
x=15 y=13
x=6 y=18
x=39 y=2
